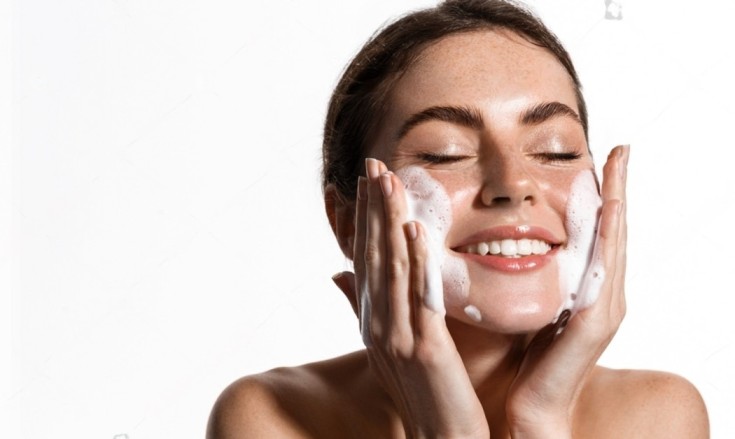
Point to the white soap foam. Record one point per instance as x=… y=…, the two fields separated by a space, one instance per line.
x=429 y=204
x=581 y=272
x=365 y=314
x=592 y=282
x=473 y=313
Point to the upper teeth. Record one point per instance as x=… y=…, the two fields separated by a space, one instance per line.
x=509 y=247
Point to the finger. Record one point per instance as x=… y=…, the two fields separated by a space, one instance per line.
x=396 y=253
x=417 y=256
x=600 y=275
x=612 y=232
x=358 y=257
x=615 y=177
x=358 y=249
x=612 y=175
x=424 y=317
x=619 y=281
x=375 y=271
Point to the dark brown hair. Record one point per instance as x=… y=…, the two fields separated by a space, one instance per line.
x=359 y=100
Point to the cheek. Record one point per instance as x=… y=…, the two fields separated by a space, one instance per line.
x=574 y=196
x=581 y=218
x=456 y=281
x=429 y=204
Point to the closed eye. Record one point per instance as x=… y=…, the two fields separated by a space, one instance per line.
x=439 y=159
x=550 y=157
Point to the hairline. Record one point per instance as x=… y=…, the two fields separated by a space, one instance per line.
x=383 y=92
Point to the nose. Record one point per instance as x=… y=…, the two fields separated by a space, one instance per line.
x=508 y=182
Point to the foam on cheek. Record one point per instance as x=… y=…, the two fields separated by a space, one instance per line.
x=429 y=204
x=473 y=313
x=581 y=271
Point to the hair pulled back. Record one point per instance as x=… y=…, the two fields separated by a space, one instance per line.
x=360 y=98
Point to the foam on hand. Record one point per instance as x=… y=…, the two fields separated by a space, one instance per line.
x=429 y=204
x=365 y=307
x=581 y=271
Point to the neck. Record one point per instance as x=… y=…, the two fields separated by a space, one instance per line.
x=492 y=361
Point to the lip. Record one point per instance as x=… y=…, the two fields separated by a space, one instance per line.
x=511 y=265
x=505 y=264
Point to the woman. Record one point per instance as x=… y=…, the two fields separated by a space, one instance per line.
x=458 y=179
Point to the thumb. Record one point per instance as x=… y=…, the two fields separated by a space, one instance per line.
x=345 y=281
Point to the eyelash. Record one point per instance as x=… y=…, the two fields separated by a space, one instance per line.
x=545 y=157
x=439 y=159
x=548 y=157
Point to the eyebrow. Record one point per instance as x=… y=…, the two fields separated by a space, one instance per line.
x=542 y=112
x=472 y=118
x=466 y=116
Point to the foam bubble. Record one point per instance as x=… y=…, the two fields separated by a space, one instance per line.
x=429 y=204
x=581 y=271
x=473 y=313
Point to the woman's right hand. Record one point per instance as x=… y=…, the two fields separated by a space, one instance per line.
x=409 y=346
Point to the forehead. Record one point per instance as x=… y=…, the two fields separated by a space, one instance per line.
x=497 y=72
x=498 y=63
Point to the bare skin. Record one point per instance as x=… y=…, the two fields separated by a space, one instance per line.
x=340 y=398
x=431 y=374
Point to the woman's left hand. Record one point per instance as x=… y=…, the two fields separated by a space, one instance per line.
x=543 y=396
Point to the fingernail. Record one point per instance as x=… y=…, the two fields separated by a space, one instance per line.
x=386 y=184
x=371 y=168
x=413 y=233
x=361 y=188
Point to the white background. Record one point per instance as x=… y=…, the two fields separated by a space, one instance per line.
x=162 y=226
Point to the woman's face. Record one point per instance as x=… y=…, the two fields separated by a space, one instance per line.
x=492 y=122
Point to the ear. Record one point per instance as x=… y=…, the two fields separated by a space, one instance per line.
x=341 y=214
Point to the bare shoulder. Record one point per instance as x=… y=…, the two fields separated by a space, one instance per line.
x=291 y=402
x=642 y=404
x=250 y=408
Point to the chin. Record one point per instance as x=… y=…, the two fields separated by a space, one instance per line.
x=522 y=320
x=516 y=313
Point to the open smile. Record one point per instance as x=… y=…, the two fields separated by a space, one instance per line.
x=510 y=248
